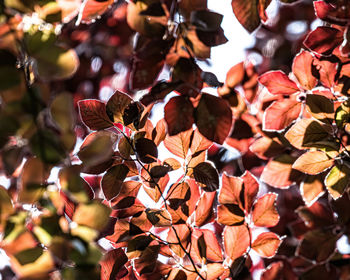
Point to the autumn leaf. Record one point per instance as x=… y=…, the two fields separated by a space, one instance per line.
x=278 y=83
x=213 y=117
x=266 y=244
x=93 y=114
x=281 y=114
x=313 y=162
x=178 y=114
x=206 y=174
x=264 y=212
x=236 y=241
x=302 y=69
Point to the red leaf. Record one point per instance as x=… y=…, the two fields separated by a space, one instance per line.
x=251 y=188
x=265 y=147
x=281 y=114
x=113 y=261
x=178 y=114
x=323 y=39
x=264 y=211
x=113 y=179
x=93 y=113
x=317 y=215
x=266 y=244
x=213 y=117
x=247 y=13
x=327 y=71
x=302 y=69
x=278 y=83
x=91 y=9
x=236 y=241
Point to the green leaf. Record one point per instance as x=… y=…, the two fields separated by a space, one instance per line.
x=337 y=180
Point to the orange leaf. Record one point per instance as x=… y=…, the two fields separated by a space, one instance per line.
x=302 y=69
x=251 y=188
x=236 y=241
x=266 y=244
x=264 y=211
x=179 y=144
x=313 y=162
x=230 y=215
x=230 y=190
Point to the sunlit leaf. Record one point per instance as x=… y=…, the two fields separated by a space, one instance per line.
x=281 y=114
x=178 y=114
x=265 y=212
x=179 y=144
x=302 y=69
x=313 y=162
x=213 y=118
x=93 y=114
x=337 y=180
x=236 y=241
x=278 y=83
x=113 y=179
x=266 y=244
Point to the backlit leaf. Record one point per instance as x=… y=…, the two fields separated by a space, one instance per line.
x=236 y=241
x=323 y=39
x=337 y=180
x=92 y=9
x=247 y=13
x=178 y=114
x=179 y=144
x=251 y=188
x=320 y=107
x=265 y=212
x=93 y=113
x=94 y=215
x=278 y=172
x=313 y=162
x=96 y=148
x=113 y=179
x=278 y=83
x=230 y=190
x=306 y=133
x=113 y=261
x=311 y=189
x=116 y=105
x=204 y=208
x=206 y=174
x=213 y=117
x=230 y=215
x=281 y=114
x=266 y=244
x=302 y=69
